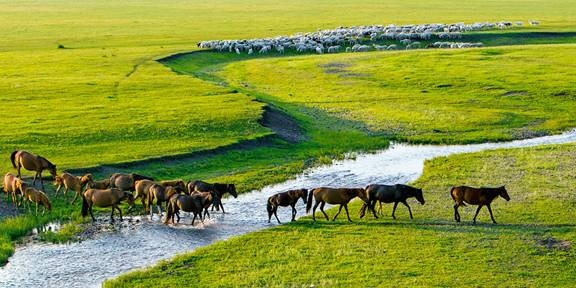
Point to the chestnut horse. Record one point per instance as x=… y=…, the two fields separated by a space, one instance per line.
x=37 y=197
x=72 y=182
x=334 y=196
x=284 y=199
x=105 y=198
x=160 y=194
x=390 y=194
x=141 y=187
x=23 y=159
x=476 y=196
x=10 y=186
x=220 y=189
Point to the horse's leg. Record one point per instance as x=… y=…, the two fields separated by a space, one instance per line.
x=409 y=210
x=19 y=167
x=91 y=214
x=477 y=211
x=120 y=212
x=491 y=216
x=339 y=209
x=193 y=219
x=294 y=212
x=394 y=210
x=314 y=210
x=456 y=214
x=380 y=212
x=41 y=181
x=373 y=207
x=34 y=181
x=347 y=214
x=222 y=207
x=112 y=215
x=76 y=194
x=36 y=208
x=276 y=215
x=322 y=209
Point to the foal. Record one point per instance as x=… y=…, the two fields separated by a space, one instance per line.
x=289 y=198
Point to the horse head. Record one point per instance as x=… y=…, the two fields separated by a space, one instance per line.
x=503 y=193
x=304 y=195
x=232 y=190
x=419 y=196
x=362 y=194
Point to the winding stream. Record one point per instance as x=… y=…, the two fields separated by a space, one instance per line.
x=140 y=242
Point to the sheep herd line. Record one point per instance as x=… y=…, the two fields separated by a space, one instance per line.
x=363 y=38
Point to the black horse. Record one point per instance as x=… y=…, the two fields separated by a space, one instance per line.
x=218 y=188
x=390 y=194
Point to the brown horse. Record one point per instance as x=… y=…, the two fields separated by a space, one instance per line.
x=390 y=194
x=210 y=198
x=72 y=182
x=220 y=189
x=284 y=199
x=105 y=198
x=334 y=196
x=476 y=196
x=126 y=182
x=19 y=187
x=194 y=203
x=178 y=184
x=160 y=194
x=141 y=187
x=95 y=184
x=23 y=159
x=38 y=197
x=10 y=186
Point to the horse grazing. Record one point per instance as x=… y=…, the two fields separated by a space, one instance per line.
x=70 y=181
x=178 y=184
x=105 y=198
x=220 y=189
x=390 y=194
x=38 y=197
x=126 y=182
x=32 y=162
x=476 y=196
x=284 y=199
x=334 y=196
x=10 y=186
x=19 y=187
x=160 y=194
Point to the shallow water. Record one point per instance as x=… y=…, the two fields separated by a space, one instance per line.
x=140 y=242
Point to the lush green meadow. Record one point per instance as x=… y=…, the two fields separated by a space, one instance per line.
x=531 y=247
x=80 y=84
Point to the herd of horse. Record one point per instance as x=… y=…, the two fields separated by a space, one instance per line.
x=197 y=196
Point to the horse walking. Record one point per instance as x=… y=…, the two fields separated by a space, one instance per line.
x=390 y=194
x=105 y=198
x=160 y=194
x=476 y=196
x=285 y=199
x=334 y=196
x=126 y=182
x=195 y=203
x=69 y=181
x=220 y=189
x=23 y=159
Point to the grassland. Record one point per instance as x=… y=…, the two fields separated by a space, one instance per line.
x=532 y=248
x=101 y=98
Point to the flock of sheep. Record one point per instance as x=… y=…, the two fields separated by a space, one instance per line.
x=362 y=38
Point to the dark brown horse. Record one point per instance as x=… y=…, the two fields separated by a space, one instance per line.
x=476 y=196
x=160 y=194
x=284 y=199
x=334 y=196
x=220 y=189
x=23 y=159
x=194 y=203
x=390 y=194
x=105 y=198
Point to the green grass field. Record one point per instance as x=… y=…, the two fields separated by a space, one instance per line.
x=531 y=247
x=102 y=98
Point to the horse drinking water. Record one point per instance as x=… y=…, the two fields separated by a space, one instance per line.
x=476 y=196
x=284 y=199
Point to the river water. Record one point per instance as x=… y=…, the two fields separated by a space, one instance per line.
x=140 y=241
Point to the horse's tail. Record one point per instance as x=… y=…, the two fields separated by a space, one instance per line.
x=269 y=207
x=309 y=202
x=13 y=159
x=84 y=206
